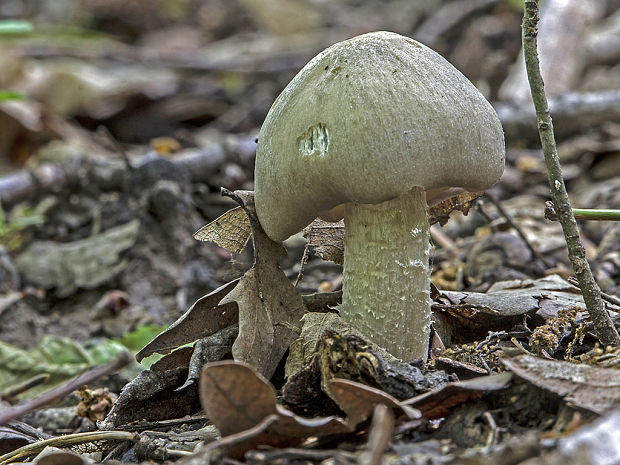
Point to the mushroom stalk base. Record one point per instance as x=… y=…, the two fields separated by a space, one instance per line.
x=386 y=287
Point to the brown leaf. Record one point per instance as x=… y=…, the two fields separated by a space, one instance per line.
x=505 y=303
x=440 y=212
x=358 y=401
x=151 y=395
x=270 y=307
x=230 y=231
x=55 y=456
x=437 y=404
x=203 y=318
x=590 y=388
x=11 y=439
x=242 y=404
x=235 y=397
x=327 y=239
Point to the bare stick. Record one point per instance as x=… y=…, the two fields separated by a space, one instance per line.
x=605 y=330
x=12 y=413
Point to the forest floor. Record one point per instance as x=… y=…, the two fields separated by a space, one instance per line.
x=131 y=119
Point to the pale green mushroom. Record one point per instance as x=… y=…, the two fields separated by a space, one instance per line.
x=380 y=125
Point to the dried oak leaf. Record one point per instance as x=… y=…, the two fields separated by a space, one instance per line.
x=591 y=388
x=231 y=231
x=205 y=317
x=270 y=307
x=235 y=397
x=241 y=403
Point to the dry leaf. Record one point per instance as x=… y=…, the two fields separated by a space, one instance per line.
x=270 y=307
x=242 y=405
x=231 y=231
x=326 y=239
x=440 y=212
x=235 y=397
x=437 y=404
x=203 y=318
x=587 y=387
x=505 y=303
x=358 y=401
x=151 y=395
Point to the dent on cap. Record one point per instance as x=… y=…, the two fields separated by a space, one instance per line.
x=315 y=141
x=366 y=120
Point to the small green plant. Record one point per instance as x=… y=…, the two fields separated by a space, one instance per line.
x=11 y=229
x=141 y=336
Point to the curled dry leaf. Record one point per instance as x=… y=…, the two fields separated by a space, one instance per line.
x=270 y=307
x=358 y=401
x=204 y=318
x=242 y=404
x=151 y=395
x=437 y=404
x=235 y=397
x=440 y=212
x=231 y=231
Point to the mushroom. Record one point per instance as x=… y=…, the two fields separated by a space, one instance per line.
x=372 y=129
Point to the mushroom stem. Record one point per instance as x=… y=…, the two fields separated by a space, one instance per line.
x=386 y=287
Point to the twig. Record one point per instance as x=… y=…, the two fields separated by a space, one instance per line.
x=13 y=413
x=13 y=391
x=590 y=214
x=65 y=441
x=612 y=299
x=379 y=437
x=605 y=330
x=319 y=301
x=516 y=227
x=302 y=264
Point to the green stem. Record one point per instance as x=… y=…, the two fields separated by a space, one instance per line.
x=604 y=327
x=589 y=214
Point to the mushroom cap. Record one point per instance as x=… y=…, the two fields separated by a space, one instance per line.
x=365 y=121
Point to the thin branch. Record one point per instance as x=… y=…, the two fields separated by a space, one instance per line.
x=18 y=411
x=516 y=227
x=605 y=330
